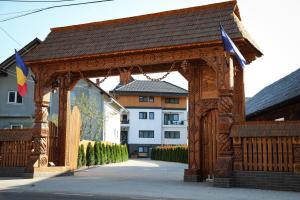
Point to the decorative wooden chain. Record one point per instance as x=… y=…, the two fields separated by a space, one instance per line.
x=107 y=75
x=183 y=65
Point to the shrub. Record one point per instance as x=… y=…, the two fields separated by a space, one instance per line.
x=83 y=157
x=101 y=150
x=170 y=153
x=97 y=153
x=79 y=158
x=90 y=157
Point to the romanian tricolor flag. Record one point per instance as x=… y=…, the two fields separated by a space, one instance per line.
x=22 y=73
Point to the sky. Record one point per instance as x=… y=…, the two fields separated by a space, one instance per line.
x=274 y=25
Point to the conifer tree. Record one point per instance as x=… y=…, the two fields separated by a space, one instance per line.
x=83 y=157
x=90 y=157
x=79 y=158
x=97 y=153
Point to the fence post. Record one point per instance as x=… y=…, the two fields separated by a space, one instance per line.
x=237 y=154
x=296 y=154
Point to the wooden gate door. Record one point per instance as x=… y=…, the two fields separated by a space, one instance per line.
x=74 y=137
x=208 y=141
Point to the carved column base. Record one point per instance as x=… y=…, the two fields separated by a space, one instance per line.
x=223 y=167
x=192 y=175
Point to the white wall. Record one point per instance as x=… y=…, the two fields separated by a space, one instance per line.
x=111 y=124
x=136 y=124
x=181 y=140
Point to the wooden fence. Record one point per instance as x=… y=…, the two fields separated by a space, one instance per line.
x=15 y=147
x=266 y=146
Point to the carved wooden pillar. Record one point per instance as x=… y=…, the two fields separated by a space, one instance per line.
x=64 y=96
x=223 y=166
x=239 y=94
x=193 y=173
x=125 y=77
x=238 y=114
x=39 y=155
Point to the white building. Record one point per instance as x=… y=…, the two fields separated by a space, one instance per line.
x=156 y=115
x=104 y=124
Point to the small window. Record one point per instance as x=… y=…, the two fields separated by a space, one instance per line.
x=172 y=134
x=146 y=99
x=142 y=115
x=151 y=115
x=143 y=149
x=14 y=126
x=14 y=97
x=146 y=134
x=172 y=100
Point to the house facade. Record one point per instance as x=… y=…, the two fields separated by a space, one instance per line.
x=16 y=111
x=156 y=114
x=100 y=113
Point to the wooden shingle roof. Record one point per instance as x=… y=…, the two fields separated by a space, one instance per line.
x=196 y=25
x=277 y=93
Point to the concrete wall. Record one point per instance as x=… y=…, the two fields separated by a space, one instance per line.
x=11 y=113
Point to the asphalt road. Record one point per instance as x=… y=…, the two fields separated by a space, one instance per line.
x=11 y=195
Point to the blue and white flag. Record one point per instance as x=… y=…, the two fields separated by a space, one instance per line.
x=230 y=47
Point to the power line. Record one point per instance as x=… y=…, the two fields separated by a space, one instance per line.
x=35 y=1
x=18 y=12
x=51 y=7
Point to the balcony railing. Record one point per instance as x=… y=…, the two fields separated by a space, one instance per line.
x=125 y=121
x=174 y=123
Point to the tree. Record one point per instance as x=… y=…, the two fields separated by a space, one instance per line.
x=83 y=157
x=97 y=153
x=79 y=159
x=90 y=157
x=91 y=116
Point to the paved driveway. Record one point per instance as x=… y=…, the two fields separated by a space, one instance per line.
x=140 y=179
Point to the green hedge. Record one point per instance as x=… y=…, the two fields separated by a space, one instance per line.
x=170 y=153
x=101 y=153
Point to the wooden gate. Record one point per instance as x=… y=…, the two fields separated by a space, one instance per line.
x=53 y=143
x=208 y=141
x=74 y=136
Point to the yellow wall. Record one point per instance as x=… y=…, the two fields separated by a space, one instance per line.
x=159 y=102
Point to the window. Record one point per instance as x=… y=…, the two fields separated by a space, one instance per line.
x=172 y=134
x=14 y=97
x=142 y=115
x=151 y=115
x=143 y=149
x=172 y=100
x=146 y=134
x=13 y=126
x=146 y=99
x=171 y=119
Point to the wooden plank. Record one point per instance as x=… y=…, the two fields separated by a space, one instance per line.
x=265 y=154
x=279 y=153
x=270 y=155
x=259 y=154
x=245 y=153
x=285 y=154
x=250 y=154
x=290 y=154
x=254 y=158
x=275 y=154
